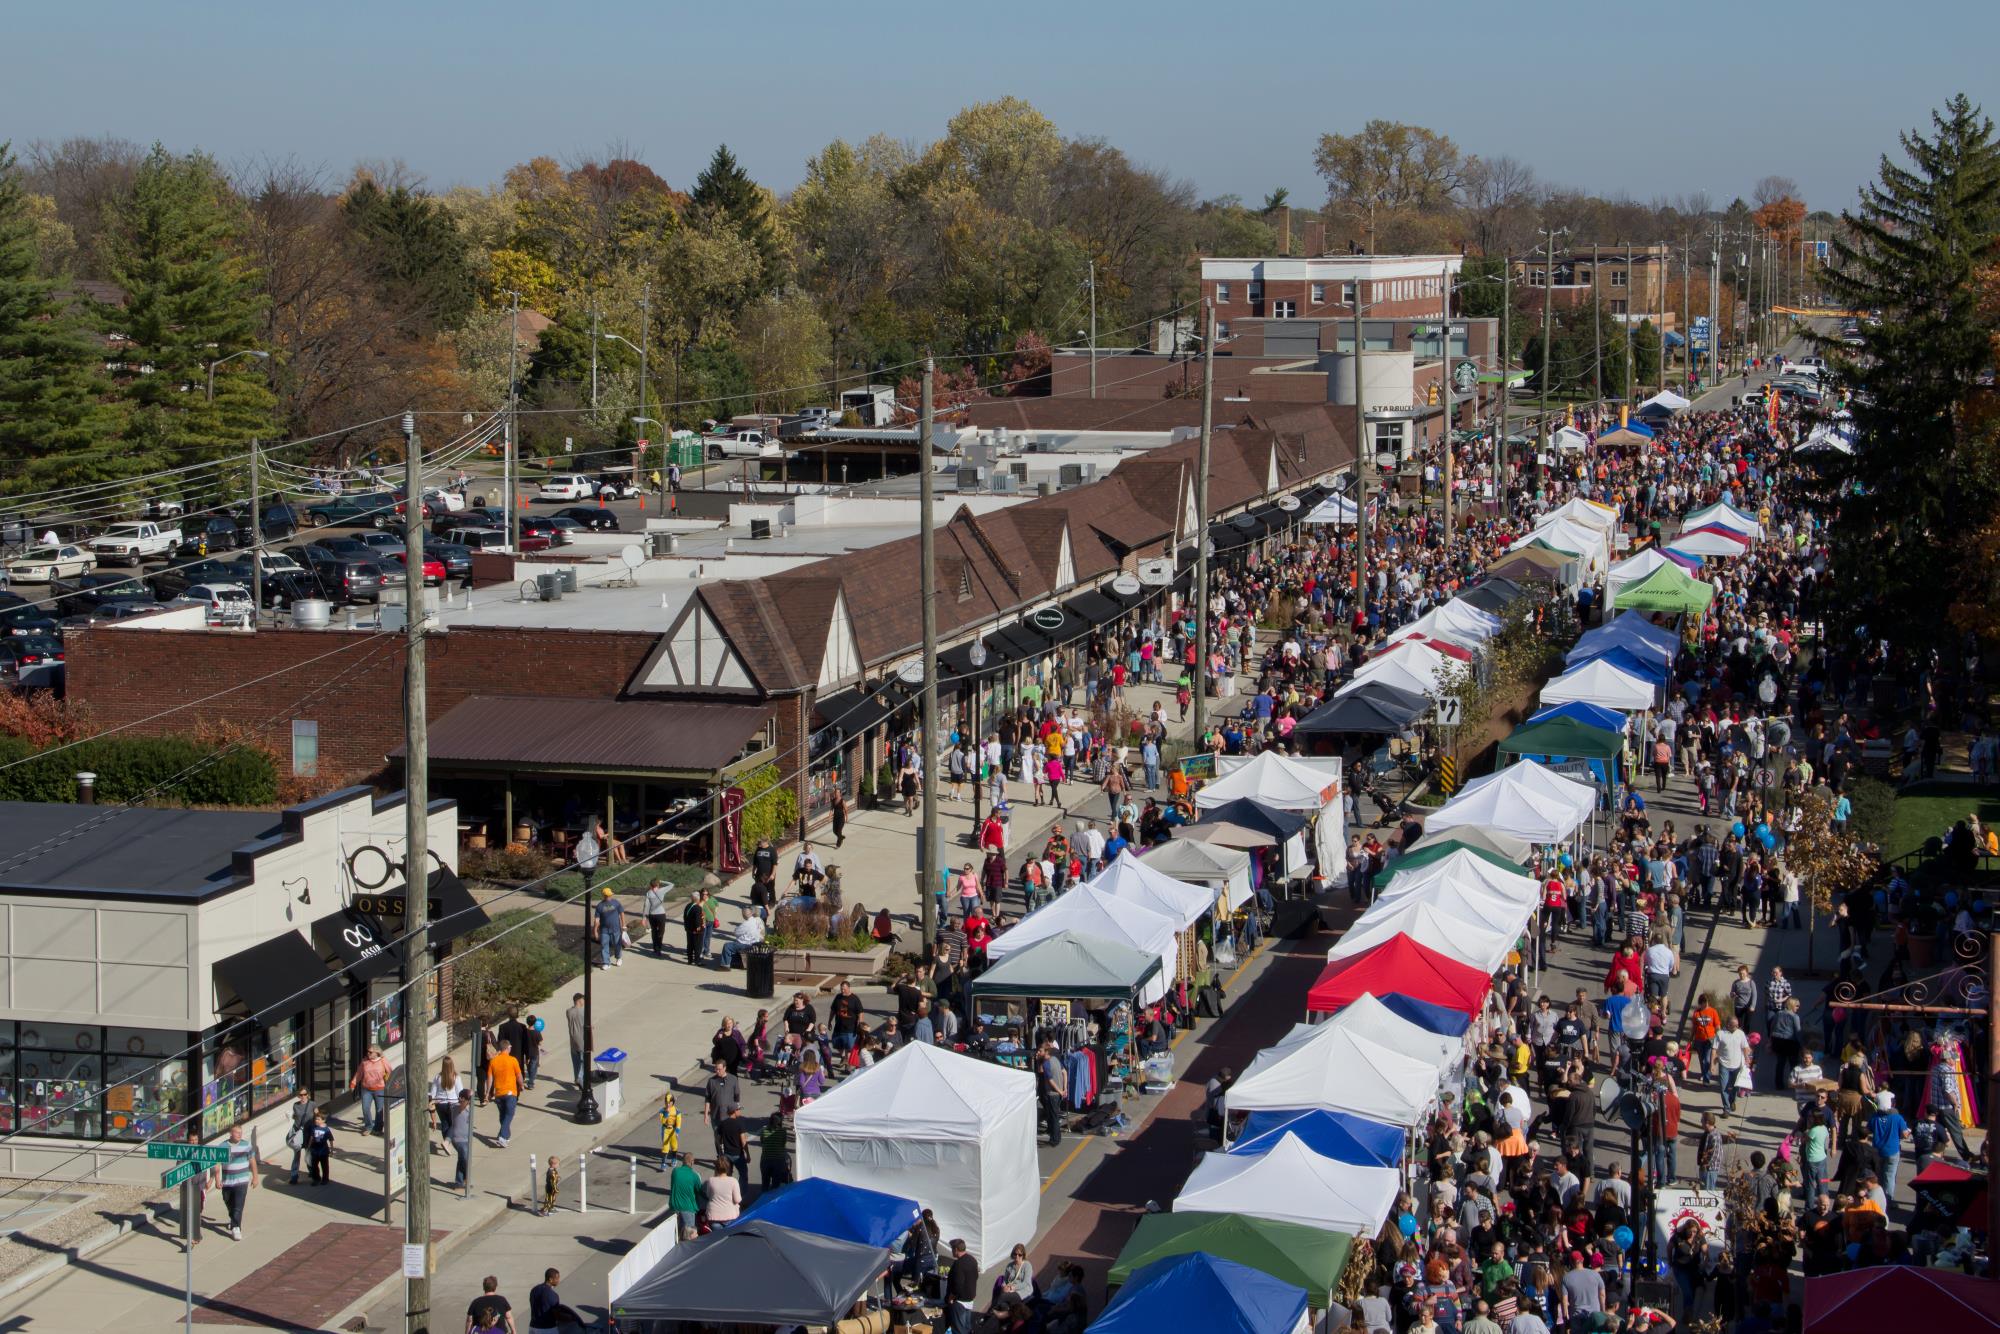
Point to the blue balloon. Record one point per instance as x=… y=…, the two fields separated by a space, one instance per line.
x=1951 y=898
x=1623 y=1236
x=1407 y=1224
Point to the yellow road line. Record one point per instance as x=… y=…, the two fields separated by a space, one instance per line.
x=1175 y=1041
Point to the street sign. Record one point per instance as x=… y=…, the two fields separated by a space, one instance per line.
x=208 y=1155
x=1450 y=711
x=178 y=1173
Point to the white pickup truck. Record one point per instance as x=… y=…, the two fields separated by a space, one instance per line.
x=135 y=542
x=742 y=445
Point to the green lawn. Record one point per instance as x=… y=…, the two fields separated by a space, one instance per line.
x=1927 y=810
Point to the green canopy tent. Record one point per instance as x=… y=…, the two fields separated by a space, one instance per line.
x=1068 y=966
x=1555 y=740
x=1437 y=849
x=1668 y=589
x=1310 y=1257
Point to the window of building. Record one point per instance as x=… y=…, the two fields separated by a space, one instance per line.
x=1221 y=331
x=305 y=748
x=246 y=1072
x=1389 y=438
x=1538 y=277
x=1284 y=310
x=1319 y=294
x=1347 y=294
x=145 y=1085
x=1222 y=294
x=1619 y=277
x=82 y=1081
x=1618 y=307
x=1254 y=290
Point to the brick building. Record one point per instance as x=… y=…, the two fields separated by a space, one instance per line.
x=1389 y=287
x=1630 y=281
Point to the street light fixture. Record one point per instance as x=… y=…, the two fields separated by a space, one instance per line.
x=247 y=352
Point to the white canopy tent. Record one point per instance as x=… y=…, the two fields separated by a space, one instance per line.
x=1226 y=870
x=1668 y=400
x=1366 y=1016
x=1130 y=880
x=1588 y=545
x=1569 y=440
x=1836 y=433
x=1417 y=668
x=1588 y=513
x=1292 y=1184
x=1725 y=515
x=1322 y=1065
x=1467 y=884
x=1090 y=912
x=1515 y=850
x=1599 y=682
x=1707 y=544
x=1630 y=571
x=1334 y=509
x=1285 y=783
x=1458 y=621
x=1482 y=946
x=1516 y=805
x=1292 y=851
x=926 y=1123
x=1534 y=778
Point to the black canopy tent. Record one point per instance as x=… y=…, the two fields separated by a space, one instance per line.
x=1376 y=708
x=754 y=1273
x=1493 y=594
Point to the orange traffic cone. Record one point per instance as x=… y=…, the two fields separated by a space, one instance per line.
x=642 y=502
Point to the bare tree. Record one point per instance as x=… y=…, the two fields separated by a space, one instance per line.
x=85 y=177
x=1770 y=189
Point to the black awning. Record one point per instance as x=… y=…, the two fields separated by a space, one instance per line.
x=359 y=942
x=1227 y=537
x=856 y=711
x=453 y=911
x=279 y=978
x=955 y=663
x=1093 y=608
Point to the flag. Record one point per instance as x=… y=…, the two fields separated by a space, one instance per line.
x=1569 y=415
x=1771 y=407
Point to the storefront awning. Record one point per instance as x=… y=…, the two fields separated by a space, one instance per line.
x=279 y=978
x=454 y=912
x=857 y=710
x=1093 y=608
x=594 y=735
x=358 y=941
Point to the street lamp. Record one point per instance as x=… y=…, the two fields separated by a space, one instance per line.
x=247 y=352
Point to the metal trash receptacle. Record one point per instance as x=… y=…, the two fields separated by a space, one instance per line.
x=607 y=1078
x=760 y=974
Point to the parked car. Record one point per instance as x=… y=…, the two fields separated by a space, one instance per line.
x=741 y=445
x=395 y=518
x=164 y=508
x=592 y=517
x=82 y=592
x=351 y=547
x=285 y=587
x=479 y=516
x=442 y=501
x=276 y=521
x=43 y=565
x=111 y=609
x=174 y=580
x=136 y=542
x=227 y=604
x=27 y=619
x=456 y=559
x=569 y=528
x=382 y=545
x=537 y=526
x=340 y=577
x=360 y=508
x=30 y=660
x=216 y=533
x=567 y=486
x=479 y=539
x=434 y=571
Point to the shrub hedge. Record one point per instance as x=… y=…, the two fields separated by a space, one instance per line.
x=184 y=771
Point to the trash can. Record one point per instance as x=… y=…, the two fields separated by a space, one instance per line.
x=607 y=1078
x=760 y=974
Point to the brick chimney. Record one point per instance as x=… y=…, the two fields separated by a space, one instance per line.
x=1315 y=238
x=1282 y=224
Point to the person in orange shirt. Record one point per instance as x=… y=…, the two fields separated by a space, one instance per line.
x=1707 y=1022
x=503 y=1087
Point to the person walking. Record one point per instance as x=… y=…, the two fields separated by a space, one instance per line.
x=579 y=1039
x=489 y=1310
x=839 y=818
x=693 y=919
x=303 y=1111
x=237 y=1176
x=459 y=1133
x=684 y=1196
x=503 y=1088
x=1732 y=1051
x=607 y=928
x=1890 y=1132
x=371 y=1079
x=655 y=908
x=319 y=1149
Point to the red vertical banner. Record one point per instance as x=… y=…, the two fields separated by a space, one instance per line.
x=732 y=831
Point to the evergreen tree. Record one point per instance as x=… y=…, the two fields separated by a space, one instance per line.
x=192 y=298
x=726 y=188
x=53 y=414
x=1923 y=475
x=413 y=250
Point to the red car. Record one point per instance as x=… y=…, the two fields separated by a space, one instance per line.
x=434 y=572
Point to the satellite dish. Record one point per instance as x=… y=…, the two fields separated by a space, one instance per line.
x=1048 y=618
x=1156 y=573
x=633 y=555
x=977 y=654
x=1288 y=503
x=1125 y=586
x=912 y=673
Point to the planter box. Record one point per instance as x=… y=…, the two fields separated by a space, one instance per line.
x=849 y=963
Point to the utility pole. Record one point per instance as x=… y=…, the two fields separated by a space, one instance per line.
x=1548 y=307
x=646 y=332
x=1596 y=323
x=256 y=536
x=927 y=871
x=1715 y=308
x=1687 y=304
x=1093 y=328
x=1506 y=385
x=416 y=897
x=1630 y=328
x=512 y=433
x=1361 y=463
x=1201 y=525
x=1450 y=405
x=593 y=359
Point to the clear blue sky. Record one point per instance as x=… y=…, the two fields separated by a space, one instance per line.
x=1659 y=100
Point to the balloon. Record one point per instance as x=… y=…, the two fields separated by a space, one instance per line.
x=1951 y=898
x=1623 y=1236
x=1407 y=1224
x=1756 y=1038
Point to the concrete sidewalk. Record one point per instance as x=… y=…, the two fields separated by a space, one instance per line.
x=137 y=1283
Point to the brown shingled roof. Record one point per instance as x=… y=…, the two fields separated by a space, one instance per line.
x=1084 y=414
x=744 y=611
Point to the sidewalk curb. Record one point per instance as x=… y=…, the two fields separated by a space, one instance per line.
x=69 y=1255
x=358 y=1309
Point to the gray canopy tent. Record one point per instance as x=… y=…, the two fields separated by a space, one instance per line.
x=754 y=1273
x=1069 y=965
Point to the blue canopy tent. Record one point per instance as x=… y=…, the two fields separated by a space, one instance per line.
x=845 y=1213
x=1339 y=1135
x=1199 y=1291
x=1427 y=1014
x=1646 y=669
x=1590 y=715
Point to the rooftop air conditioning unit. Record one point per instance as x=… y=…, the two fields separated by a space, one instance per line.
x=971 y=479
x=1070 y=474
x=1019 y=471
x=1006 y=483
x=760 y=530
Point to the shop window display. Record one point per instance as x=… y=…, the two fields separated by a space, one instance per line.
x=146 y=1085
x=245 y=1072
x=59 y=1076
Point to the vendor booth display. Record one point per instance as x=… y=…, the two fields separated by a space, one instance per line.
x=1071 y=966
x=1601 y=683
x=1536 y=565
x=1131 y=880
x=1373 y=1018
x=1538 y=782
x=1668 y=589
x=1456 y=620
x=1348 y=1136
x=1726 y=515
x=833 y=1209
x=1087 y=912
x=757 y=1273
x=955 y=1132
x=1247 y=825
x=1309 y=787
x=1375 y=709
x=1632 y=569
x=1203 y=1292
x=1331 y=1067
x=1400 y=966
x=1292 y=1184
x=1418 y=668
x=1309 y=1257
x=1225 y=870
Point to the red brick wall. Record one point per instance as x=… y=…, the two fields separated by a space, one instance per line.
x=1147 y=378
x=127 y=676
